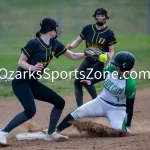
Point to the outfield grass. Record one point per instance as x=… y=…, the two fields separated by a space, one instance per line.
x=20 y=21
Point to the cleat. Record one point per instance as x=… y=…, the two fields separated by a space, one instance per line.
x=3 y=138
x=56 y=137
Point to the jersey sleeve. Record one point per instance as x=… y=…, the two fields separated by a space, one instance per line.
x=130 y=88
x=29 y=49
x=60 y=49
x=84 y=32
x=111 y=39
x=130 y=98
x=108 y=69
x=105 y=72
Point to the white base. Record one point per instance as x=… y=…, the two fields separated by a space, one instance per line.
x=31 y=136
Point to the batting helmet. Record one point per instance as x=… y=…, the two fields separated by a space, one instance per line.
x=124 y=60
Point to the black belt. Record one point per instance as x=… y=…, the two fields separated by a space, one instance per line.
x=119 y=105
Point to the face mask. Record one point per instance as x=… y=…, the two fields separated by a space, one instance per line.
x=100 y=23
x=58 y=32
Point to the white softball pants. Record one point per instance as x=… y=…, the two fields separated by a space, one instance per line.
x=99 y=108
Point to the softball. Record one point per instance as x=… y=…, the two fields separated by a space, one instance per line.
x=103 y=58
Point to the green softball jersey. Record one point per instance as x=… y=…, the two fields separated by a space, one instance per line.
x=116 y=89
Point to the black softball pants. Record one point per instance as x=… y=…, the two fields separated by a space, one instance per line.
x=87 y=63
x=26 y=92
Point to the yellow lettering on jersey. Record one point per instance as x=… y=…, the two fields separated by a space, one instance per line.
x=53 y=53
x=101 y=40
x=89 y=44
x=44 y=62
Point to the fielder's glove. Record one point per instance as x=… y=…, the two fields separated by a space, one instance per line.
x=93 y=53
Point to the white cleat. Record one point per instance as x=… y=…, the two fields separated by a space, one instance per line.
x=56 y=137
x=3 y=138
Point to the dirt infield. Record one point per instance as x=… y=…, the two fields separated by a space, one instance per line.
x=140 y=127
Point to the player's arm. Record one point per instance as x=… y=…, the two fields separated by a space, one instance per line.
x=74 y=56
x=26 y=53
x=23 y=64
x=95 y=79
x=109 y=55
x=111 y=51
x=92 y=81
x=130 y=97
x=61 y=50
x=82 y=36
x=111 y=42
x=75 y=43
x=129 y=110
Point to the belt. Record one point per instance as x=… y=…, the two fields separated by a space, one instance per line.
x=119 y=105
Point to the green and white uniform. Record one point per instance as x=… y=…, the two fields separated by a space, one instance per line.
x=111 y=102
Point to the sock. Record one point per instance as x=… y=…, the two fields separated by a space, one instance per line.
x=54 y=117
x=65 y=123
x=16 y=121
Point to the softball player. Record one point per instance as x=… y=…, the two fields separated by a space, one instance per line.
x=116 y=100
x=96 y=35
x=36 y=55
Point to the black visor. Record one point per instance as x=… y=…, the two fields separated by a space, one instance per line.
x=48 y=24
x=100 y=11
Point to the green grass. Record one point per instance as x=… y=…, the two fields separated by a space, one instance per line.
x=20 y=21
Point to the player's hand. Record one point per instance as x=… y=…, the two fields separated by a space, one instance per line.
x=38 y=67
x=69 y=46
x=86 y=81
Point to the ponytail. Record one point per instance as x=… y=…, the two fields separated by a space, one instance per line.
x=38 y=34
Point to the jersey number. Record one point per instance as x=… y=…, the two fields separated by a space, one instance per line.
x=101 y=41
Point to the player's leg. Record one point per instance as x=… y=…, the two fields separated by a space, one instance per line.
x=24 y=94
x=117 y=118
x=43 y=93
x=97 y=66
x=77 y=85
x=91 y=109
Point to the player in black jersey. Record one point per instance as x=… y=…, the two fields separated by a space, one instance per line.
x=35 y=56
x=96 y=35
